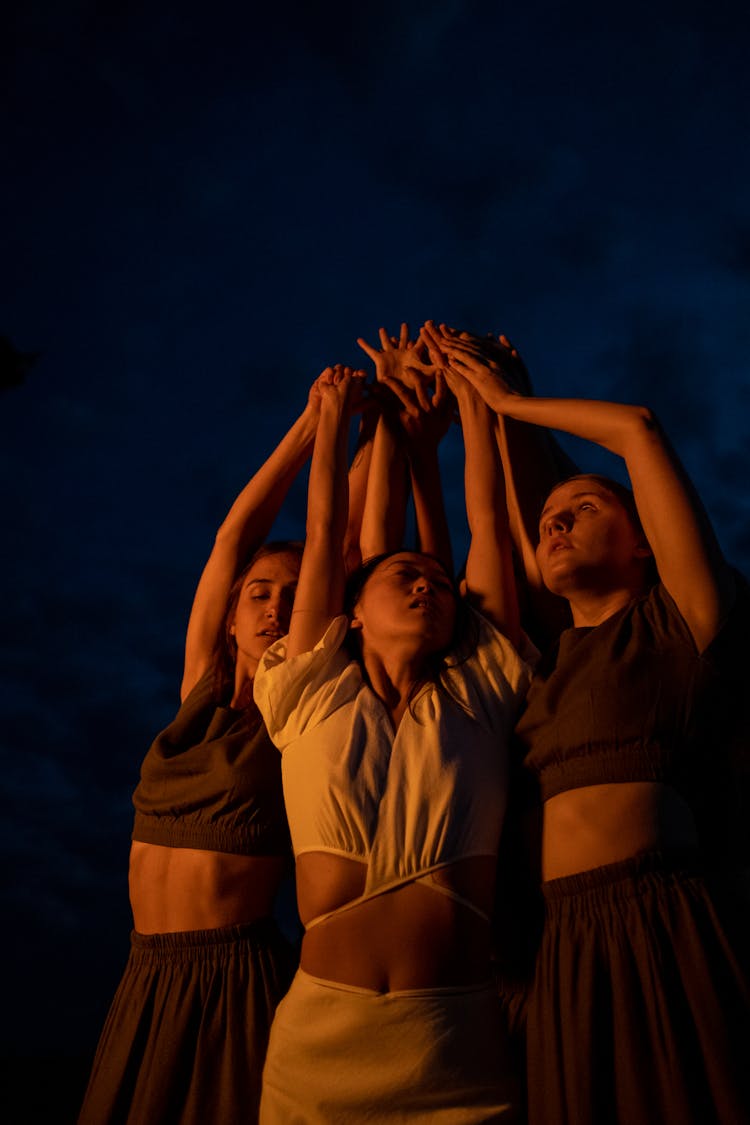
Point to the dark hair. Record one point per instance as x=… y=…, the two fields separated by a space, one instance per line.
x=626 y=498
x=465 y=634
x=225 y=649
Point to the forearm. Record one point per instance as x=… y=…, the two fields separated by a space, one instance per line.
x=252 y=514
x=320 y=590
x=359 y=471
x=489 y=572
x=384 y=514
x=613 y=425
x=433 y=532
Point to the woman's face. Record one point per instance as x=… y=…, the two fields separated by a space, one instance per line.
x=586 y=538
x=408 y=596
x=265 y=603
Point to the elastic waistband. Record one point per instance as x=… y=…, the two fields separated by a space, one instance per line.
x=608 y=876
x=416 y=993
x=190 y=940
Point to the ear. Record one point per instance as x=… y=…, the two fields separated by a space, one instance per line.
x=355 y=623
x=232 y=630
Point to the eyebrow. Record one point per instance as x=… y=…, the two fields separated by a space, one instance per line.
x=268 y=582
x=575 y=496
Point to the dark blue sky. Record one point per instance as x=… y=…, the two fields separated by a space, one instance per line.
x=202 y=206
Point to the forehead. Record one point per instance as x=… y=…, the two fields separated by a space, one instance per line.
x=280 y=567
x=413 y=559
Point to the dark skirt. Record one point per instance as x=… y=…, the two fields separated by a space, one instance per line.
x=640 y=1009
x=185 y=1039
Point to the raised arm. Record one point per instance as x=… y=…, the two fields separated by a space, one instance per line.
x=384 y=518
x=246 y=526
x=416 y=412
x=423 y=435
x=678 y=530
x=490 y=580
x=533 y=463
x=320 y=590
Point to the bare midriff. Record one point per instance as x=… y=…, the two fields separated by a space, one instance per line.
x=412 y=937
x=599 y=824
x=173 y=889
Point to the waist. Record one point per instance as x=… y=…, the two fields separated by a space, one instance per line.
x=417 y=935
x=595 y=825
x=175 y=889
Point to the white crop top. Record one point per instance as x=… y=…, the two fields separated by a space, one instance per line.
x=404 y=804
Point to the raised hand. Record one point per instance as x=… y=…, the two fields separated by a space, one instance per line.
x=342 y=383
x=400 y=364
x=480 y=362
x=427 y=427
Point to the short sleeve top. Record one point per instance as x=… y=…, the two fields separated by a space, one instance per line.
x=404 y=803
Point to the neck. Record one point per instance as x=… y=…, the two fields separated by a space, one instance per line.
x=243 y=683
x=393 y=678
x=590 y=607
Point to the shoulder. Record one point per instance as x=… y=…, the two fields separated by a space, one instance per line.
x=296 y=692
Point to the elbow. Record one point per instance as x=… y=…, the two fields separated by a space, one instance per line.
x=644 y=420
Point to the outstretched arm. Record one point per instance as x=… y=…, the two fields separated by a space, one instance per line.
x=384 y=517
x=679 y=532
x=490 y=581
x=423 y=435
x=246 y=526
x=415 y=417
x=320 y=590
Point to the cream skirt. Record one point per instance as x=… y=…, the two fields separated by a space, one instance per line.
x=341 y=1054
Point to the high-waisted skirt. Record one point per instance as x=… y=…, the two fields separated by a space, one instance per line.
x=340 y=1054
x=185 y=1039
x=640 y=1009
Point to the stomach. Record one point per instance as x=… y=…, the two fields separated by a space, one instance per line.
x=414 y=936
x=174 y=889
x=598 y=824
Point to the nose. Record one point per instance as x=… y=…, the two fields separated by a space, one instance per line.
x=422 y=584
x=560 y=521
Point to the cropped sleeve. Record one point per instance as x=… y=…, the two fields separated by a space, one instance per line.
x=492 y=681
x=295 y=695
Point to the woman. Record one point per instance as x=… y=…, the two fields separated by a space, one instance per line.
x=640 y=1006
x=185 y=1038
x=390 y=721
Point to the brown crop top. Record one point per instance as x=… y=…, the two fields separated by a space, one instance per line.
x=628 y=700
x=212 y=780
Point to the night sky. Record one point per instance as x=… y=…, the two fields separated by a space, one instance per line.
x=202 y=206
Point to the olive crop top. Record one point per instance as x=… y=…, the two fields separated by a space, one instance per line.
x=627 y=700
x=404 y=804
x=212 y=780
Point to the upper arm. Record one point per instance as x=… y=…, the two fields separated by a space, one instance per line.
x=207 y=614
x=490 y=581
x=679 y=532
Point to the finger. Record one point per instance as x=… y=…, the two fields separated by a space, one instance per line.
x=402 y=394
x=507 y=344
x=385 y=339
x=440 y=390
x=420 y=387
x=403 y=339
x=368 y=348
